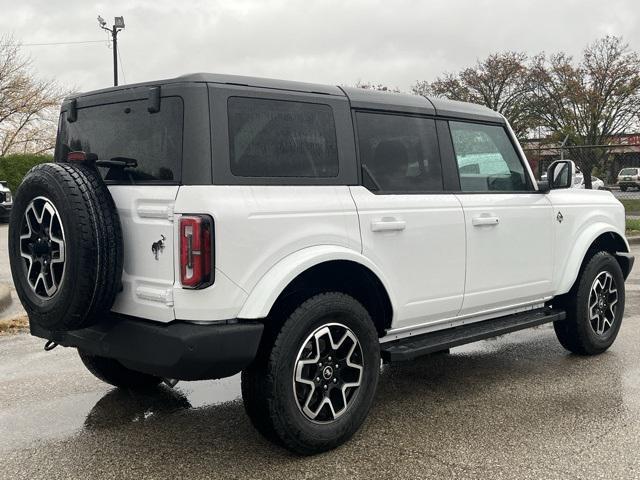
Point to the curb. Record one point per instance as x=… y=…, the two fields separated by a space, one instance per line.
x=5 y=296
x=633 y=240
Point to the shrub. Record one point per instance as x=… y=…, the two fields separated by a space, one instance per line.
x=13 y=168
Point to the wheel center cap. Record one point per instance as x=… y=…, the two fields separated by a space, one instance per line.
x=327 y=373
x=41 y=247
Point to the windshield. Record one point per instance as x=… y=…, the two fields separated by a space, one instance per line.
x=127 y=130
x=628 y=171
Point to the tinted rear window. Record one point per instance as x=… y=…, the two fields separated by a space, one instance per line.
x=128 y=131
x=276 y=138
x=400 y=152
x=628 y=171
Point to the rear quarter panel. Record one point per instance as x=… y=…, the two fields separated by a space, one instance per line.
x=255 y=228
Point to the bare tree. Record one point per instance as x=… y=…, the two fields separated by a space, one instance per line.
x=499 y=82
x=591 y=101
x=376 y=86
x=28 y=106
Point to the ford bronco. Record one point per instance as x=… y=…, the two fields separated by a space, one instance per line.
x=207 y=225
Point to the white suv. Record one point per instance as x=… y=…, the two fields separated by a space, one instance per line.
x=6 y=202
x=629 y=178
x=207 y=225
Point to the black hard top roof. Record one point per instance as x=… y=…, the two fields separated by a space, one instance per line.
x=358 y=97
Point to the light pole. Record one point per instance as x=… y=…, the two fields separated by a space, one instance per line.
x=118 y=24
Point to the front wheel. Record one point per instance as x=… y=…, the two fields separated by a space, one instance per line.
x=623 y=189
x=311 y=386
x=594 y=306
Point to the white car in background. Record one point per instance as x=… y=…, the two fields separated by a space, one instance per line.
x=6 y=202
x=596 y=183
x=578 y=181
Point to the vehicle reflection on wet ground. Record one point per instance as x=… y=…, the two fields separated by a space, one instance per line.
x=514 y=407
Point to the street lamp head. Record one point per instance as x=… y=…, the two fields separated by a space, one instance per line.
x=119 y=22
x=101 y=21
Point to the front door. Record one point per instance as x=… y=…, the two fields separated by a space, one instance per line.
x=509 y=225
x=410 y=227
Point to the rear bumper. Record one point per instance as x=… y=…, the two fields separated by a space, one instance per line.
x=628 y=183
x=178 y=350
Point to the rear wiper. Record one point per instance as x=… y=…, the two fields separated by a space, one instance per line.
x=118 y=162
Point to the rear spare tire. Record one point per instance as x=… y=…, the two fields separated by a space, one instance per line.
x=65 y=244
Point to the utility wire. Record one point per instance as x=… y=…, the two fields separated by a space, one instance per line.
x=50 y=43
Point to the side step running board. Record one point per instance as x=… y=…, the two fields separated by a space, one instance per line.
x=412 y=347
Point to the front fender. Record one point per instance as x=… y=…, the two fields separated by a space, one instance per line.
x=273 y=283
x=584 y=241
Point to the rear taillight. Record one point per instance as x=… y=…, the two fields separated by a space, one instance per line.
x=196 y=251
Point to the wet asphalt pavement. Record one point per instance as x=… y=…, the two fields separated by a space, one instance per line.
x=514 y=407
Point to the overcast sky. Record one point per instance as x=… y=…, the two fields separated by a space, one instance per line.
x=331 y=41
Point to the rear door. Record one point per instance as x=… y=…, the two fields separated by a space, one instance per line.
x=411 y=228
x=146 y=146
x=509 y=225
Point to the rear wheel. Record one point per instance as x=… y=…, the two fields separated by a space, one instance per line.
x=594 y=306
x=114 y=373
x=311 y=386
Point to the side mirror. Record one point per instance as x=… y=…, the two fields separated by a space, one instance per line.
x=561 y=174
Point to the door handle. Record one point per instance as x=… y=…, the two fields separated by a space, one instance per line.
x=485 y=220
x=388 y=225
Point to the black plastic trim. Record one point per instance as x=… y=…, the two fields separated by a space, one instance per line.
x=178 y=350
x=412 y=347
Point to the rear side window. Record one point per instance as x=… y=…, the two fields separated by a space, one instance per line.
x=150 y=143
x=279 y=138
x=487 y=160
x=400 y=153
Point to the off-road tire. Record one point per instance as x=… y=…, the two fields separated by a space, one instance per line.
x=575 y=332
x=267 y=387
x=114 y=373
x=93 y=251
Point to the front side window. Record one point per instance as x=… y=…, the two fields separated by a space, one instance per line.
x=277 y=138
x=486 y=159
x=149 y=144
x=400 y=153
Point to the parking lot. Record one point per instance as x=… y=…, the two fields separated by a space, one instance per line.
x=514 y=407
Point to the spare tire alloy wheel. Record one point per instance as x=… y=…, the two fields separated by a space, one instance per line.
x=328 y=373
x=603 y=299
x=65 y=246
x=42 y=246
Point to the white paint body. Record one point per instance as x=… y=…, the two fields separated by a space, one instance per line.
x=444 y=259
